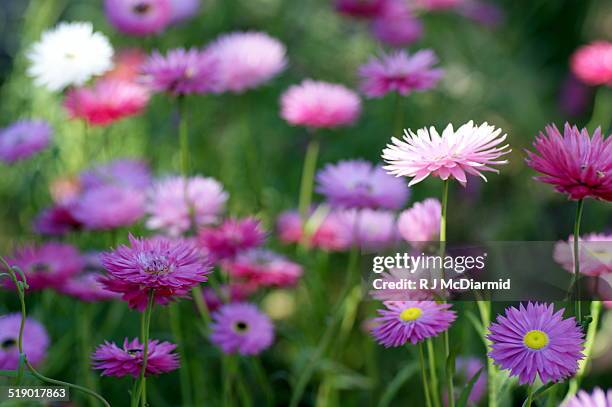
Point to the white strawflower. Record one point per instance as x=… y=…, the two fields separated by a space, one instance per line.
x=69 y=54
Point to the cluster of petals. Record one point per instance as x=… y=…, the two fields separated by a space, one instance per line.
x=592 y=63
x=262 y=267
x=420 y=223
x=594 y=250
x=127 y=360
x=35 y=341
x=231 y=237
x=241 y=328
x=597 y=398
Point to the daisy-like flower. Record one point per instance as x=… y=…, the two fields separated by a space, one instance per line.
x=536 y=341
x=361 y=8
x=264 y=268
x=138 y=17
x=69 y=54
x=123 y=172
x=241 y=328
x=106 y=102
x=183 y=9
x=396 y=26
x=231 y=237
x=56 y=221
x=117 y=361
x=247 y=59
x=400 y=72
x=319 y=104
x=597 y=398
x=420 y=223
x=35 y=341
x=595 y=254
x=470 y=149
x=370 y=229
x=47 y=265
x=576 y=164
x=359 y=184
x=411 y=321
x=22 y=139
x=108 y=207
x=169 y=268
x=175 y=207
x=592 y=63
x=182 y=72
x=325 y=232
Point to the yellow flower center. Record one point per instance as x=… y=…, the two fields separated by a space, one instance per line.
x=410 y=314
x=535 y=339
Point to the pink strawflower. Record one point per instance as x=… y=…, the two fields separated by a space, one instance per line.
x=86 y=286
x=35 y=341
x=592 y=63
x=471 y=149
x=48 y=265
x=22 y=139
x=598 y=398
x=400 y=72
x=264 y=268
x=420 y=223
x=595 y=254
x=247 y=59
x=138 y=17
x=169 y=268
x=175 y=207
x=535 y=341
x=319 y=104
x=127 y=360
x=411 y=321
x=56 y=221
x=182 y=72
x=241 y=328
x=433 y=5
x=231 y=237
x=127 y=65
x=183 y=9
x=360 y=8
x=359 y=184
x=108 y=207
x=106 y=102
x=396 y=26
x=233 y=292
x=576 y=164
x=325 y=230
x=124 y=172
x=370 y=229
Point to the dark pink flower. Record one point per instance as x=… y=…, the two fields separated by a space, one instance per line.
x=360 y=8
x=264 y=268
x=127 y=360
x=231 y=237
x=592 y=63
x=56 y=221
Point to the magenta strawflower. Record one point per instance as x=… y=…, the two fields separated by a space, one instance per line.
x=108 y=207
x=359 y=184
x=241 y=328
x=175 y=207
x=576 y=164
x=592 y=63
x=138 y=17
x=396 y=26
x=22 y=139
x=182 y=72
x=420 y=223
x=370 y=229
x=124 y=172
x=468 y=150
x=411 y=321
x=597 y=398
x=169 y=268
x=127 y=360
x=56 y=221
x=595 y=254
x=325 y=232
x=35 y=341
x=400 y=72
x=360 y=8
x=264 y=268
x=231 y=237
x=535 y=341
x=48 y=265
x=319 y=104
x=247 y=59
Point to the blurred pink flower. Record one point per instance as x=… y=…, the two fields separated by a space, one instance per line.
x=234 y=292
x=231 y=237
x=396 y=26
x=138 y=17
x=23 y=139
x=127 y=360
x=35 y=341
x=592 y=63
x=183 y=9
x=128 y=65
x=420 y=223
x=108 y=207
x=433 y=5
x=360 y=8
x=264 y=268
x=56 y=221
x=595 y=254
x=123 y=172
x=369 y=229
x=327 y=232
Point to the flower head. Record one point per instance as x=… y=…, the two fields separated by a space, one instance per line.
x=241 y=328
x=598 y=398
x=592 y=63
x=411 y=321
x=264 y=268
x=128 y=65
x=471 y=149
x=536 y=341
x=56 y=221
x=320 y=105
x=576 y=164
x=247 y=59
x=138 y=17
x=396 y=26
x=108 y=207
x=231 y=237
x=127 y=360
x=69 y=54
x=324 y=230
x=176 y=204
x=400 y=72
x=369 y=229
x=360 y=8
x=35 y=341
x=22 y=139
x=359 y=184
x=420 y=223
x=86 y=286
x=124 y=172
x=595 y=254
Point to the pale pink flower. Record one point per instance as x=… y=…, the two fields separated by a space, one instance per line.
x=421 y=223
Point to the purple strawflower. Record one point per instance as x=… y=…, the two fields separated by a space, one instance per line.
x=35 y=341
x=175 y=208
x=411 y=321
x=108 y=207
x=231 y=237
x=56 y=221
x=598 y=398
x=122 y=172
x=369 y=229
x=241 y=328
x=535 y=341
x=400 y=72
x=262 y=267
x=182 y=72
x=127 y=360
x=22 y=139
x=48 y=265
x=396 y=26
x=359 y=184
x=138 y=17
x=169 y=268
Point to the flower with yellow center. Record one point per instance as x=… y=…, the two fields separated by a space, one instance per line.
x=535 y=339
x=411 y=314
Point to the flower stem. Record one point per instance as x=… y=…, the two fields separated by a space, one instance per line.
x=139 y=392
x=185 y=380
x=432 y=373
x=308 y=174
x=529 y=396
x=601 y=110
x=576 y=283
x=424 y=375
x=484 y=308
x=449 y=369
x=85 y=321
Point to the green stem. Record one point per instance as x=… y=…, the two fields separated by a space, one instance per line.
x=484 y=308
x=433 y=373
x=576 y=282
x=529 y=396
x=601 y=110
x=445 y=184
x=139 y=392
x=424 y=375
x=185 y=380
x=449 y=369
x=84 y=324
x=198 y=298
x=308 y=174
